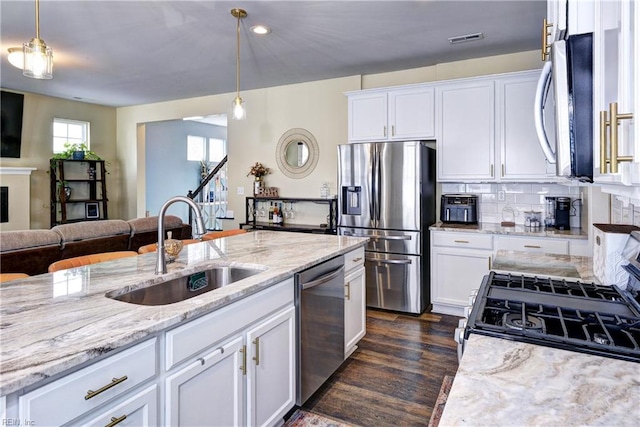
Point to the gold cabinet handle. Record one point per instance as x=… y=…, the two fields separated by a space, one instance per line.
x=357 y=259
x=491 y=171
x=114 y=382
x=489 y=263
x=243 y=368
x=348 y=295
x=385 y=131
x=533 y=246
x=461 y=241
x=115 y=421
x=257 y=356
x=604 y=157
x=393 y=130
x=503 y=169
x=614 y=121
x=545 y=34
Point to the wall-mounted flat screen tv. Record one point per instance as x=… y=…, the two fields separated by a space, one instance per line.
x=11 y=106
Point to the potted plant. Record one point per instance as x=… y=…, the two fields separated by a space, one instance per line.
x=76 y=152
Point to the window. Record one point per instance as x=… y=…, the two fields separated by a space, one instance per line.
x=195 y=148
x=69 y=131
x=217 y=149
x=198 y=150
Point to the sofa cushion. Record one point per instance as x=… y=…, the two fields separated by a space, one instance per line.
x=24 y=239
x=91 y=230
x=139 y=225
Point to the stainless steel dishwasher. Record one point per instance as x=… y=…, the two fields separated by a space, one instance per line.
x=320 y=318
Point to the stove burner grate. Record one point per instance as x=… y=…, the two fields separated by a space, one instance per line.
x=515 y=321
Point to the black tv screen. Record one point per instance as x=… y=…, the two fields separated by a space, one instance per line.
x=11 y=105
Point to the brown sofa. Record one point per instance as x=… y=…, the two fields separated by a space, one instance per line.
x=32 y=251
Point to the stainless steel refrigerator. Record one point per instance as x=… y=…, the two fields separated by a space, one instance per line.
x=387 y=192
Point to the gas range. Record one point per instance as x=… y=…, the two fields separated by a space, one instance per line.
x=570 y=315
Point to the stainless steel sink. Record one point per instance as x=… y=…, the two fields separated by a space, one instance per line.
x=186 y=287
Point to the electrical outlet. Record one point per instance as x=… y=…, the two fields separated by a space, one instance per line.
x=501 y=196
x=240 y=191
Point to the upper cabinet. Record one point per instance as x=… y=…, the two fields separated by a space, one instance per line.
x=465 y=130
x=616 y=92
x=485 y=130
x=392 y=114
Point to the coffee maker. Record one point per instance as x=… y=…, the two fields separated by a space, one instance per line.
x=563 y=210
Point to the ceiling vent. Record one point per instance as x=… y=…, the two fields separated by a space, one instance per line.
x=466 y=38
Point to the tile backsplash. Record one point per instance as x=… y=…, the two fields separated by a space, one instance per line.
x=493 y=198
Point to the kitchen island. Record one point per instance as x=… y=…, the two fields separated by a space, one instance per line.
x=507 y=383
x=54 y=324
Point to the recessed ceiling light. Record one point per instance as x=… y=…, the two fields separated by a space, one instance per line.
x=260 y=29
x=466 y=38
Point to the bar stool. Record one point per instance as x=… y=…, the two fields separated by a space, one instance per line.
x=89 y=259
x=153 y=247
x=5 y=277
x=224 y=233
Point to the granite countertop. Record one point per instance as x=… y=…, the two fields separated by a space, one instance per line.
x=518 y=230
x=53 y=322
x=507 y=383
x=551 y=265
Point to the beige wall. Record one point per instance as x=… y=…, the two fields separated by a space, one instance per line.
x=37 y=141
x=320 y=107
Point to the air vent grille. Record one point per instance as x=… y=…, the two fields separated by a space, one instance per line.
x=466 y=38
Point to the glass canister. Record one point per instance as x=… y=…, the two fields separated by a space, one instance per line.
x=550 y=212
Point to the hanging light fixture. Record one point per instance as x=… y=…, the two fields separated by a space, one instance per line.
x=37 y=56
x=238 y=108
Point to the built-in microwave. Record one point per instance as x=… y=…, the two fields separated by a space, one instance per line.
x=566 y=85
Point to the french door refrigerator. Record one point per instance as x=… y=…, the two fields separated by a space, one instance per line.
x=387 y=193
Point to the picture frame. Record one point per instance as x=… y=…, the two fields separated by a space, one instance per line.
x=91 y=210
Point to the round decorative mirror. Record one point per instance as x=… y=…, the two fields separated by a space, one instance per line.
x=297 y=153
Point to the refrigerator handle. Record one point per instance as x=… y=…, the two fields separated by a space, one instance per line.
x=378 y=186
x=374 y=186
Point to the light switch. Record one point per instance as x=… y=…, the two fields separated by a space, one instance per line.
x=240 y=191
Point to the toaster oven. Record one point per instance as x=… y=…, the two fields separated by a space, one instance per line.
x=459 y=208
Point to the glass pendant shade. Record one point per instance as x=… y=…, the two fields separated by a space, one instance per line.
x=38 y=60
x=239 y=112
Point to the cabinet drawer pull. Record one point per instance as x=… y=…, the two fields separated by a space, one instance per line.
x=357 y=259
x=604 y=157
x=115 y=421
x=545 y=33
x=243 y=368
x=257 y=356
x=614 y=121
x=114 y=382
x=461 y=241
x=533 y=246
x=348 y=286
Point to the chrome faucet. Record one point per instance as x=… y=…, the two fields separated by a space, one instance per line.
x=161 y=263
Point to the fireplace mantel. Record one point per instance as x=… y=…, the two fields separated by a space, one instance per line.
x=15 y=198
x=16 y=170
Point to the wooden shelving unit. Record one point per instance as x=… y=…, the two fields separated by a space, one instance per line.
x=88 y=199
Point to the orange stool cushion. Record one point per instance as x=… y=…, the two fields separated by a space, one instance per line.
x=224 y=233
x=5 y=277
x=89 y=259
x=153 y=247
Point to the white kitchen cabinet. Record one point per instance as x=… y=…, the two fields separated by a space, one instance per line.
x=271 y=369
x=521 y=158
x=354 y=309
x=532 y=244
x=485 y=130
x=241 y=364
x=355 y=300
x=616 y=73
x=210 y=390
x=391 y=114
x=459 y=261
x=140 y=410
x=90 y=387
x=465 y=128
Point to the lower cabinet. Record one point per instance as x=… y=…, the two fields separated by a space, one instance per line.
x=210 y=390
x=248 y=378
x=354 y=309
x=140 y=410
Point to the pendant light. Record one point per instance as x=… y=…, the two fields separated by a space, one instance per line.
x=38 y=57
x=238 y=111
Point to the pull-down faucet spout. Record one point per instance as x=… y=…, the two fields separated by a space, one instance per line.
x=161 y=263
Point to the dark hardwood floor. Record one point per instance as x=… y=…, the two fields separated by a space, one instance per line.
x=394 y=377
